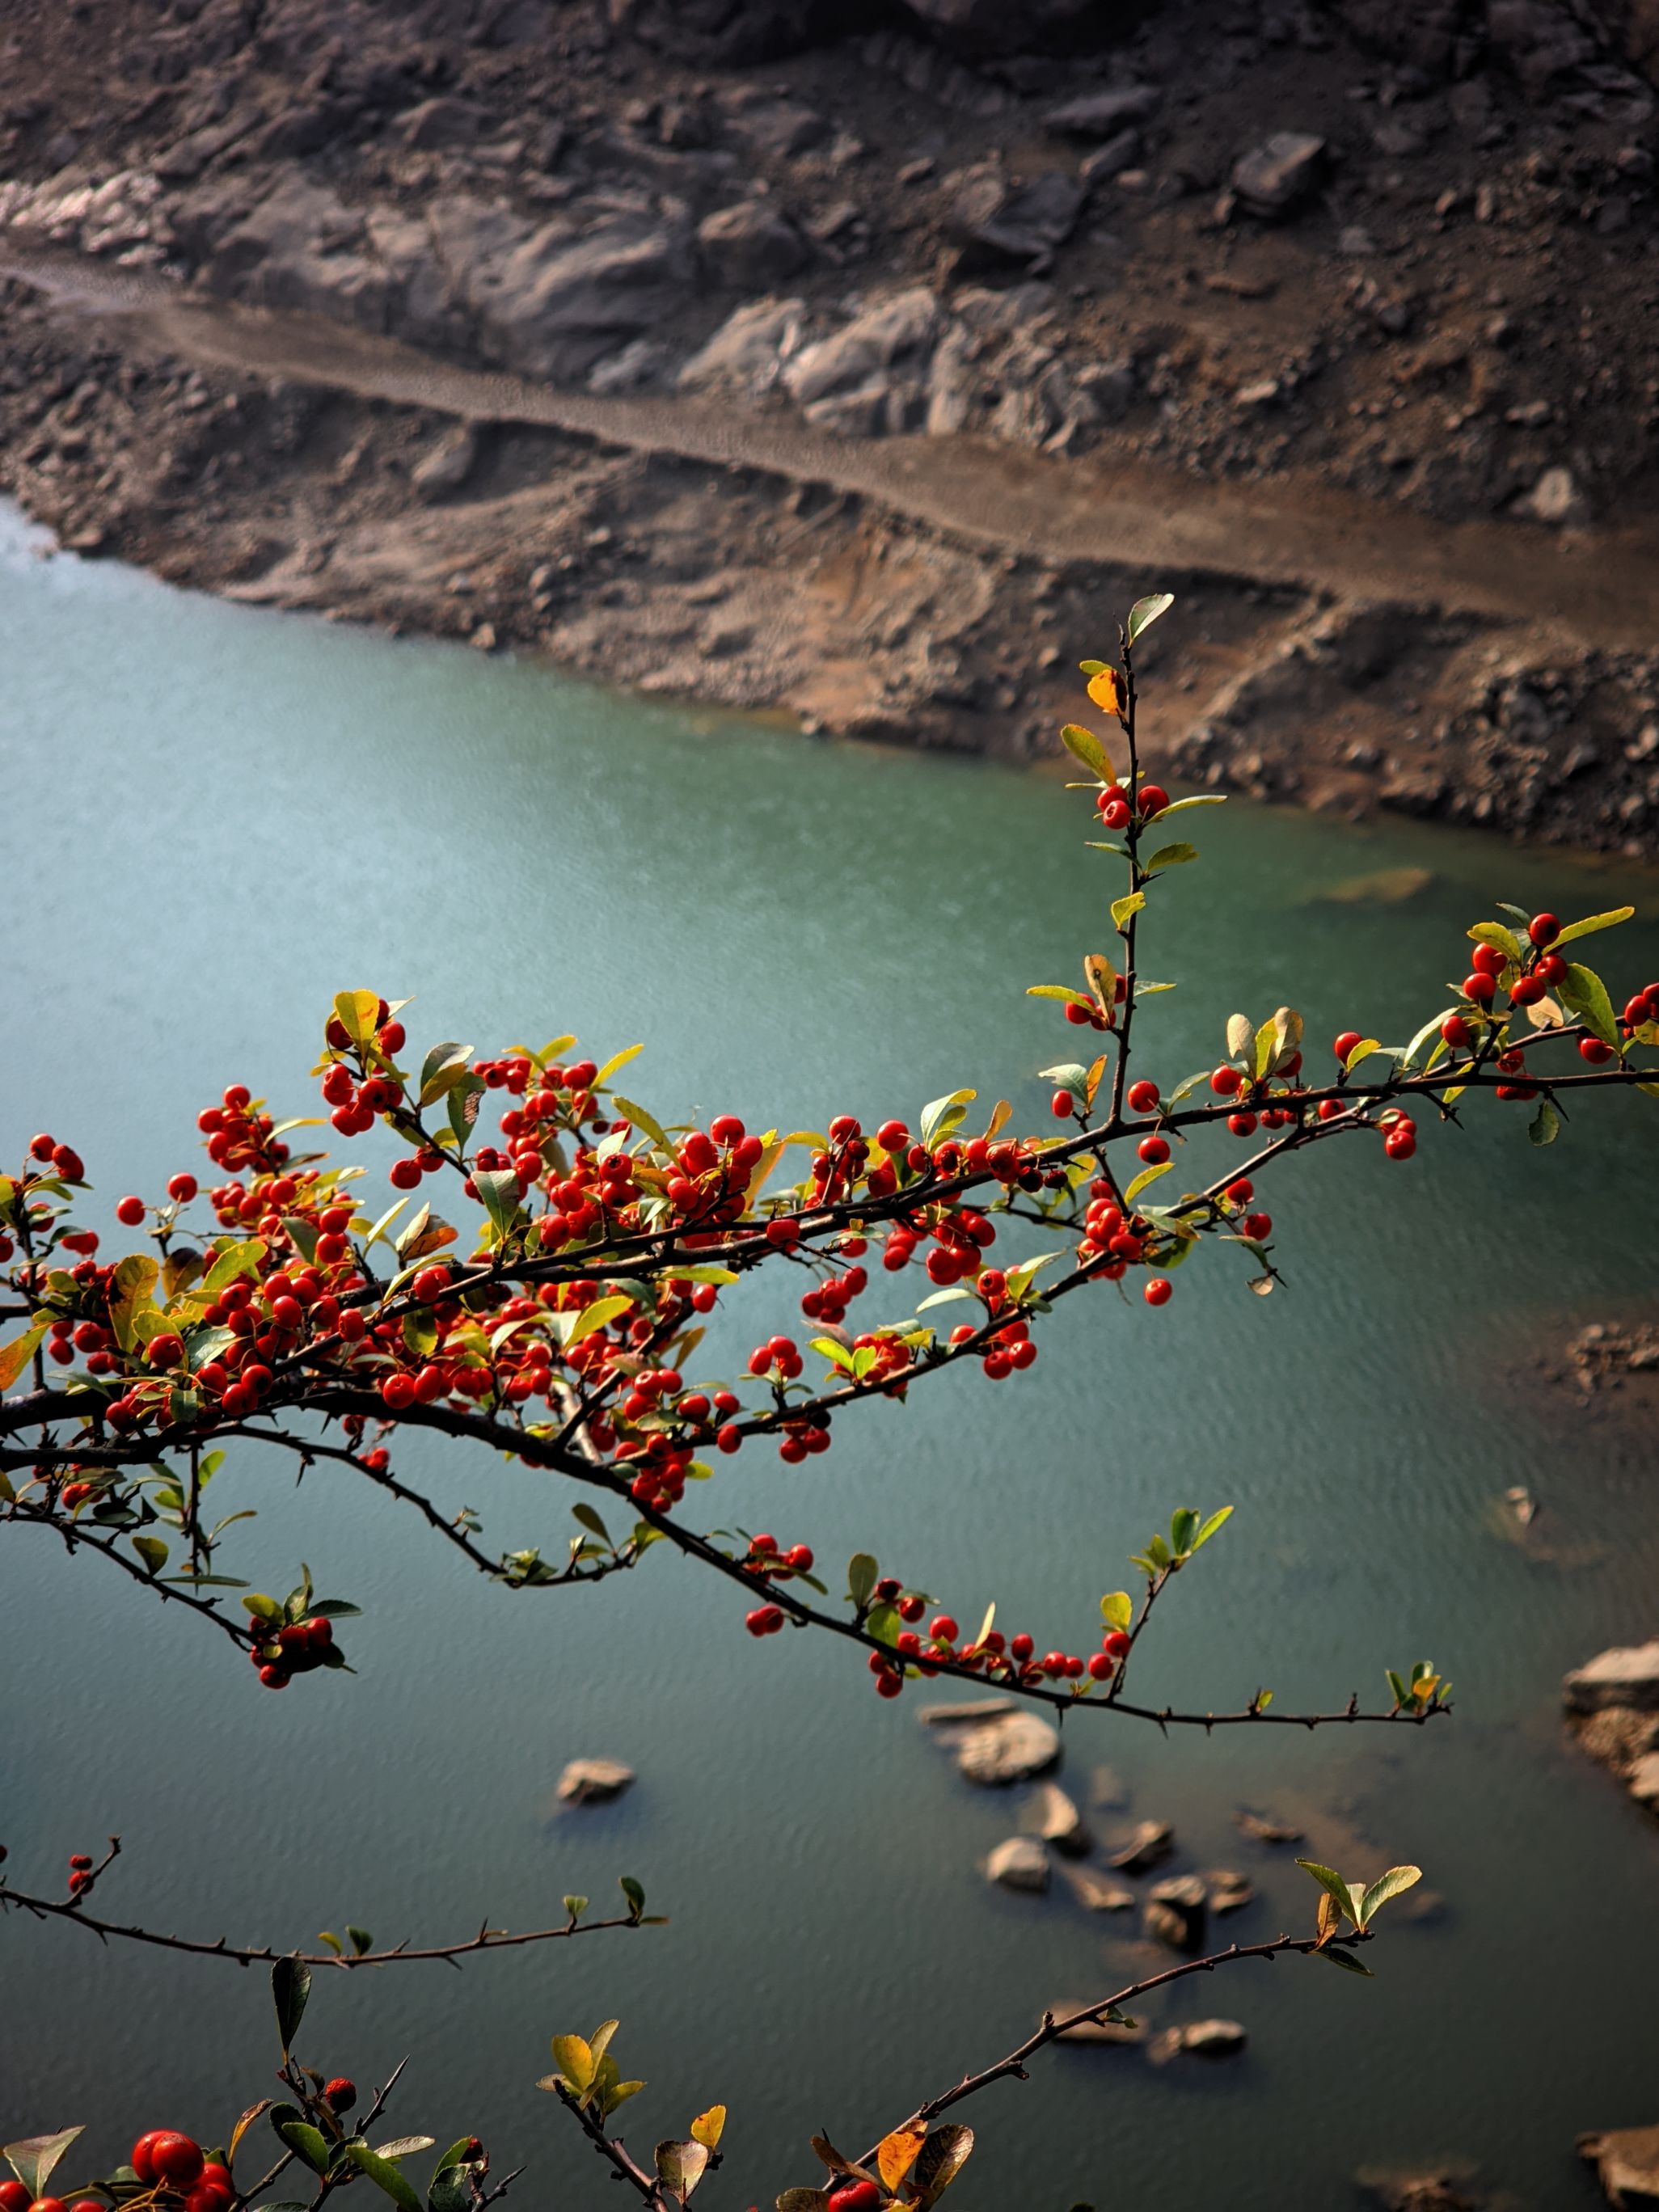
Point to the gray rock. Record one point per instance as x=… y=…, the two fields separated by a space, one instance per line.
x=1175 y=1913
x=901 y=327
x=1104 y=114
x=1555 y=499
x=592 y=1781
x=952 y=387
x=559 y=304
x=1110 y=160
x=973 y=1712
x=747 y=353
x=1096 y=1891
x=1019 y=1864
x=1626 y=2162
x=442 y=124
x=1228 y=1892
x=1268 y=1832
x=1052 y=1815
x=449 y=465
x=776 y=128
x=1015 y=1749
x=629 y=368
x=1272 y=178
x=1199 y=2038
x=999 y=222
x=1627 y=1676
x=1152 y=1842
x=750 y=245
x=1643 y=1780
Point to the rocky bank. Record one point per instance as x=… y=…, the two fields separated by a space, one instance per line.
x=853 y=361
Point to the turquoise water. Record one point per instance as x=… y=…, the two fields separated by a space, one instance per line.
x=214 y=819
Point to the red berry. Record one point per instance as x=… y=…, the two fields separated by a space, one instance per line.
x=339 y=2092
x=1101 y=1667
x=181 y=1188
x=1543 y=929
x=1143 y=1097
x=1158 y=1291
x=1061 y=1105
x=943 y=1628
x=176 y=2159
x=13 y=2198
x=1456 y=1032
x=1592 y=1050
x=1480 y=986
x=1114 y=1642
x=856 y=2196
x=48 y=2204
x=140 y=2154
x=404 y=1174
x=1154 y=1151
x=1526 y=990
x=397 y=1392
x=1153 y=799
x=131 y=1212
x=1226 y=1082
x=1487 y=960
x=1345 y=1044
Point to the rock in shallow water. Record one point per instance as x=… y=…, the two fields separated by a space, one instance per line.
x=1053 y=1816
x=1628 y=1676
x=1019 y=1864
x=1015 y=1749
x=591 y=1781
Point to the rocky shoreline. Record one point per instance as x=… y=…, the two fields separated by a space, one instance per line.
x=933 y=290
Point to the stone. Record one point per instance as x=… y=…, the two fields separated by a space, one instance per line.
x=448 y=464
x=558 y=304
x=1052 y=1815
x=1152 y=1841
x=997 y=221
x=1104 y=114
x=1212 y=2038
x=1268 y=1832
x=953 y=386
x=746 y=355
x=902 y=326
x=1175 y=1913
x=594 y=1781
x=1228 y=1892
x=1626 y=2163
x=1555 y=499
x=1627 y=1675
x=778 y=129
x=1273 y=177
x=441 y=123
x=1111 y=160
x=1095 y=2031
x=750 y=245
x=1021 y=1863
x=972 y=1712
x=1436 y=2192
x=629 y=368
x=1642 y=1781
x=1015 y=1749
x=1096 y=1893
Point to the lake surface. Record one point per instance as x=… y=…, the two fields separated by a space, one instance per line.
x=214 y=819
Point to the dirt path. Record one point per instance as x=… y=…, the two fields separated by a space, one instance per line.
x=1602 y=588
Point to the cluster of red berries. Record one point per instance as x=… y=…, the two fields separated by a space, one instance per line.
x=13 y=2198
x=1011 y=1348
x=765 y=1560
x=827 y=1301
x=166 y=2158
x=1009 y=1659
x=80 y=1873
x=241 y=1135
x=1116 y=808
x=297 y=1648
x=63 y=1162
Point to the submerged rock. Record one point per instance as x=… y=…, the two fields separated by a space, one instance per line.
x=1053 y=1816
x=1016 y=1748
x=1627 y=1675
x=1097 y=1891
x=1019 y=1864
x=591 y=1781
x=1626 y=2163
x=1175 y=1912
x=1152 y=1841
x=1200 y=2038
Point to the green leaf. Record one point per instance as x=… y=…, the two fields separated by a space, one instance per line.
x=1117 y=1610
x=296 y=2132
x=680 y=2165
x=1183 y=1526
x=642 y=1119
x=1430 y=1028
x=1363 y=1050
x=600 y=1314
x=617 y=1059
x=1085 y=746
x=385 y=2176
x=441 y=1071
x=944 y=1115
x=862 y=1574
x=635 y=1896
x=1060 y=991
x=1391 y=1884
x=290 y=1988
x=1332 y=1883
x=404 y=2146
x=839 y=1355
x=462 y=1105
x=362 y=1941
x=34 y=2158
x=133 y=1288
x=499 y=1189
x=1170 y=856
x=1501 y=939
x=1546 y=1124
x=1223 y=1513
x=590 y=1520
x=574 y=1907
x=1344 y=1960
x=1146 y=1175
x=152 y=1551
x=941 y=2157
x=1587 y=994
x=1145 y=612
x=1125 y=908
x=1593 y=922
x=1196 y=799
x=16 y=1356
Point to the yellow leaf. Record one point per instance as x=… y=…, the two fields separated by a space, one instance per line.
x=1106 y=689
x=573 y=2056
x=1330 y=1917
x=358 y=1012
x=16 y=1356
x=707 y=2128
x=897 y=2153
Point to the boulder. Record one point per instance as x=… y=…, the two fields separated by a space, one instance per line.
x=1626 y=2163
x=447 y=465
x=770 y=128
x=1104 y=114
x=1199 y=2038
x=558 y=303
x=750 y=245
x=1268 y=1832
x=997 y=221
x=901 y=328
x=592 y=1781
x=1273 y=177
x=1096 y=1891
x=953 y=386
x=1014 y=1749
x=1643 y=1780
x=1627 y=1675
x=1228 y=1892
x=1150 y=1842
x=1175 y=1913
x=1555 y=500
x=1019 y=1864
x=1052 y=1815
x=1119 y=153
x=746 y=355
